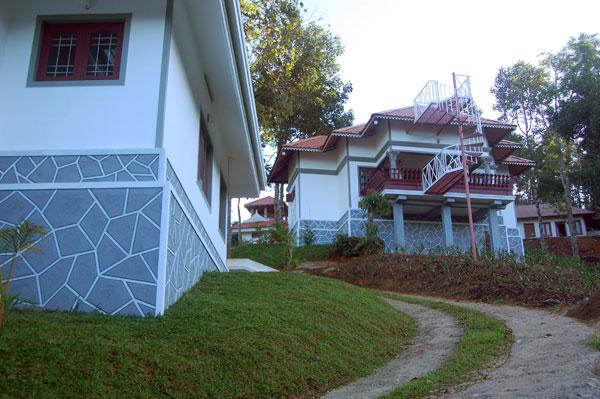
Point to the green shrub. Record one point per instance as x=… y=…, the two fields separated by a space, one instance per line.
x=280 y=234
x=344 y=245
x=357 y=246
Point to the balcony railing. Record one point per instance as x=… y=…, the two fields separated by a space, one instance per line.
x=412 y=179
x=483 y=183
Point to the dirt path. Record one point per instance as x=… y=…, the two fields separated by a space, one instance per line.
x=438 y=333
x=549 y=359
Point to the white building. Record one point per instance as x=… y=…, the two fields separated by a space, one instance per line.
x=392 y=153
x=126 y=127
x=261 y=220
x=554 y=221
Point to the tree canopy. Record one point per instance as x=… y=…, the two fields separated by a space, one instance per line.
x=556 y=106
x=295 y=72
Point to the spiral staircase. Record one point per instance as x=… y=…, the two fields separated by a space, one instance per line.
x=440 y=104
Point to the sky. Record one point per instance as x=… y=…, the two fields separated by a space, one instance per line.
x=393 y=47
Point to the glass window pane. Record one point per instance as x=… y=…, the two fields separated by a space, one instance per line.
x=102 y=52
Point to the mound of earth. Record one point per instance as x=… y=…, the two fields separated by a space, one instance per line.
x=588 y=311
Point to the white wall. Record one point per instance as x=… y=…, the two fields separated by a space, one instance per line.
x=186 y=97
x=82 y=117
x=319 y=197
x=510 y=216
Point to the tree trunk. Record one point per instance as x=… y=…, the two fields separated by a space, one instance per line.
x=279 y=202
x=564 y=179
x=540 y=223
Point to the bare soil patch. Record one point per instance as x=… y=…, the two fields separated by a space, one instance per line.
x=545 y=282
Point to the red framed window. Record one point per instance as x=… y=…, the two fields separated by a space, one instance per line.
x=80 y=51
x=205 y=158
x=364 y=175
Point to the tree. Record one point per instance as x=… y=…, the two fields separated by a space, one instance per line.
x=295 y=74
x=577 y=112
x=521 y=92
x=523 y=97
x=15 y=241
x=375 y=204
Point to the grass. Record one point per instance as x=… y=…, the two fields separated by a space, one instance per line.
x=234 y=335
x=275 y=255
x=485 y=340
x=595 y=342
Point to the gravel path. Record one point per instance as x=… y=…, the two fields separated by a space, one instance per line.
x=549 y=359
x=437 y=335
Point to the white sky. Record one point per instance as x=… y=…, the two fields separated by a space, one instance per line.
x=393 y=47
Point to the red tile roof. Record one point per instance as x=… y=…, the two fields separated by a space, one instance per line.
x=530 y=211
x=261 y=202
x=508 y=144
x=407 y=114
x=310 y=144
x=515 y=160
x=254 y=225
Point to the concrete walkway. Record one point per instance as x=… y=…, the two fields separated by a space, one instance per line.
x=247 y=265
x=549 y=358
x=438 y=333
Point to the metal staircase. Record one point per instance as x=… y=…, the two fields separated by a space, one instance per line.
x=441 y=104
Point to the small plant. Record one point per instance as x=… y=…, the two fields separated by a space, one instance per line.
x=375 y=204
x=15 y=241
x=345 y=245
x=308 y=236
x=282 y=235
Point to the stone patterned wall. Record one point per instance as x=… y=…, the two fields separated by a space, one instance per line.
x=421 y=237
x=187 y=257
x=195 y=219
x=78 y=168
x=515 y=242
x=103 y=244
x=100 y=252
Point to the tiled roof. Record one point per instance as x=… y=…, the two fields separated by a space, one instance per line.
x=310 y=144
x=261 y=201
x=530 y=211
x=515 y=160
x=407 y=114
x=508 y=144
x=254 y=225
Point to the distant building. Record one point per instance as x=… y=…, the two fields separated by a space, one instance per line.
x=262 y=218
x=554 y=221
x=417 y=166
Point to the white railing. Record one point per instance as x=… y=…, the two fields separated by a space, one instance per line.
x=446 y=161
x=443 y=97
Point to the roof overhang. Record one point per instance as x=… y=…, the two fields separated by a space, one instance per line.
x=221 y=41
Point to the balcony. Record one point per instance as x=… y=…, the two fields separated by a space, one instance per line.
x=411 y=179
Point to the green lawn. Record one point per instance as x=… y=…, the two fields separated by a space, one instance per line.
x=275 y=255
x=485 y=340
x=235 y=335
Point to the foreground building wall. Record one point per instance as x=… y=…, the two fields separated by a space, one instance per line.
x=122 y=236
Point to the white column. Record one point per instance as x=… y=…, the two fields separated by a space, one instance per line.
x=494 y=229
x=447 y=226
x=399 y=225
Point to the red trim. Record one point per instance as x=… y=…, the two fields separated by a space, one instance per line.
x=83 y=31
